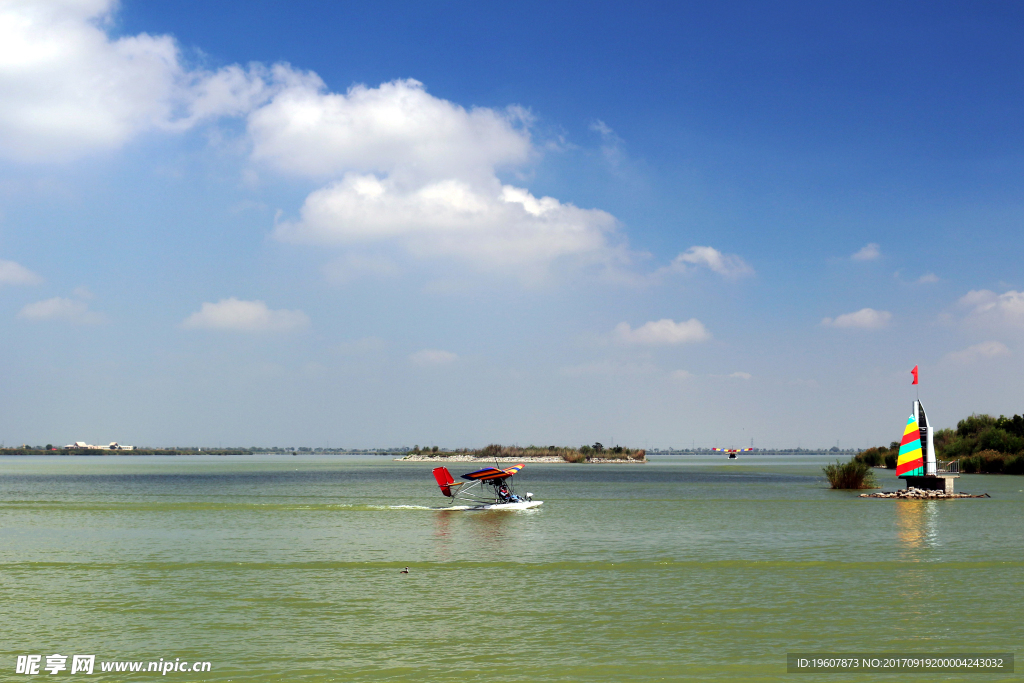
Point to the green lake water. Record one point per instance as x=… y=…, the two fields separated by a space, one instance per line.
x=282 y=568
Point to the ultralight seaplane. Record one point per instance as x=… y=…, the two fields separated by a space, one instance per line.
x=474 y=494
x=732 y=451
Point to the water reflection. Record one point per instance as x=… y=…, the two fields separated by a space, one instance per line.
x=917 y=533
x=488 y=527
x=486 y=531
x=443 y=539
x=917 y=524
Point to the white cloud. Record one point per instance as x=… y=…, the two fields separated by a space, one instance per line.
x=432 y=357
x=680 y=375
x=927 y=279
x=395 y=129
x=994 y=310
x=868 y=252
x=662 y=332
x=67 y=89
x=977 y=298
x=729 y=265
x=864 y=319
x=989 y=349
x=245 y=316
x=68 y=310
x=740 y=375
x=418 y=173
x=12 y=273
x=498 y=225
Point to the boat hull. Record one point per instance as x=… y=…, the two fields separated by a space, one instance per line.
x=524 y=505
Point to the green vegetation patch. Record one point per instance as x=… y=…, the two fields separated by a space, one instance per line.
x=850 y=475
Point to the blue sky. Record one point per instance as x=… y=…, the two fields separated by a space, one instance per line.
x=365 y=224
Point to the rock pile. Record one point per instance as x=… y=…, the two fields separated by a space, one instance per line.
x=921 y=494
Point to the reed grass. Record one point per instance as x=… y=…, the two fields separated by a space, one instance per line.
x=850 y=475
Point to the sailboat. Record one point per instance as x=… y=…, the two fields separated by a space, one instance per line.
x=917 y=448
x=916 y=462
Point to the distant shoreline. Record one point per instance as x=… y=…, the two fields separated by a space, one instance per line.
x=92 y=453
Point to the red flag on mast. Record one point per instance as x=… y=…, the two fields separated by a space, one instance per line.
x=914 y=373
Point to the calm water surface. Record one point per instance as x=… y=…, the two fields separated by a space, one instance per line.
x=281 y=568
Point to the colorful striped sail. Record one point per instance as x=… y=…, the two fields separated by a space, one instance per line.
x=910 y=462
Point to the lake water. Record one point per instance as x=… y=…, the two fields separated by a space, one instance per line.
x=282 y=568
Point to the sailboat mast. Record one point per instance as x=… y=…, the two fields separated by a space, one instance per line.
x=927 y=441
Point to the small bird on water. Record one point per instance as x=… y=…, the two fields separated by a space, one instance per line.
x=404 y=571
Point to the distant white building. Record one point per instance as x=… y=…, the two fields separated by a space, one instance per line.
x=113 y=446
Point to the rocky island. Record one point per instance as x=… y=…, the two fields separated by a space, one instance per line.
x=921 y=494
x=495 y=452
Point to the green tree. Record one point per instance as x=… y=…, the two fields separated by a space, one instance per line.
x=970 y=426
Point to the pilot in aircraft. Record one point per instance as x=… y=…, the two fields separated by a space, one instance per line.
x=505 y=495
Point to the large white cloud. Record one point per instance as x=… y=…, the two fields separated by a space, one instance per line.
x=67 y=89
x=396 y=129
x=12 y=273
x=495 y=224
x=662 y=332
x=245 y=316
x=988 y=309
x=864 y=319
x=419 y=173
